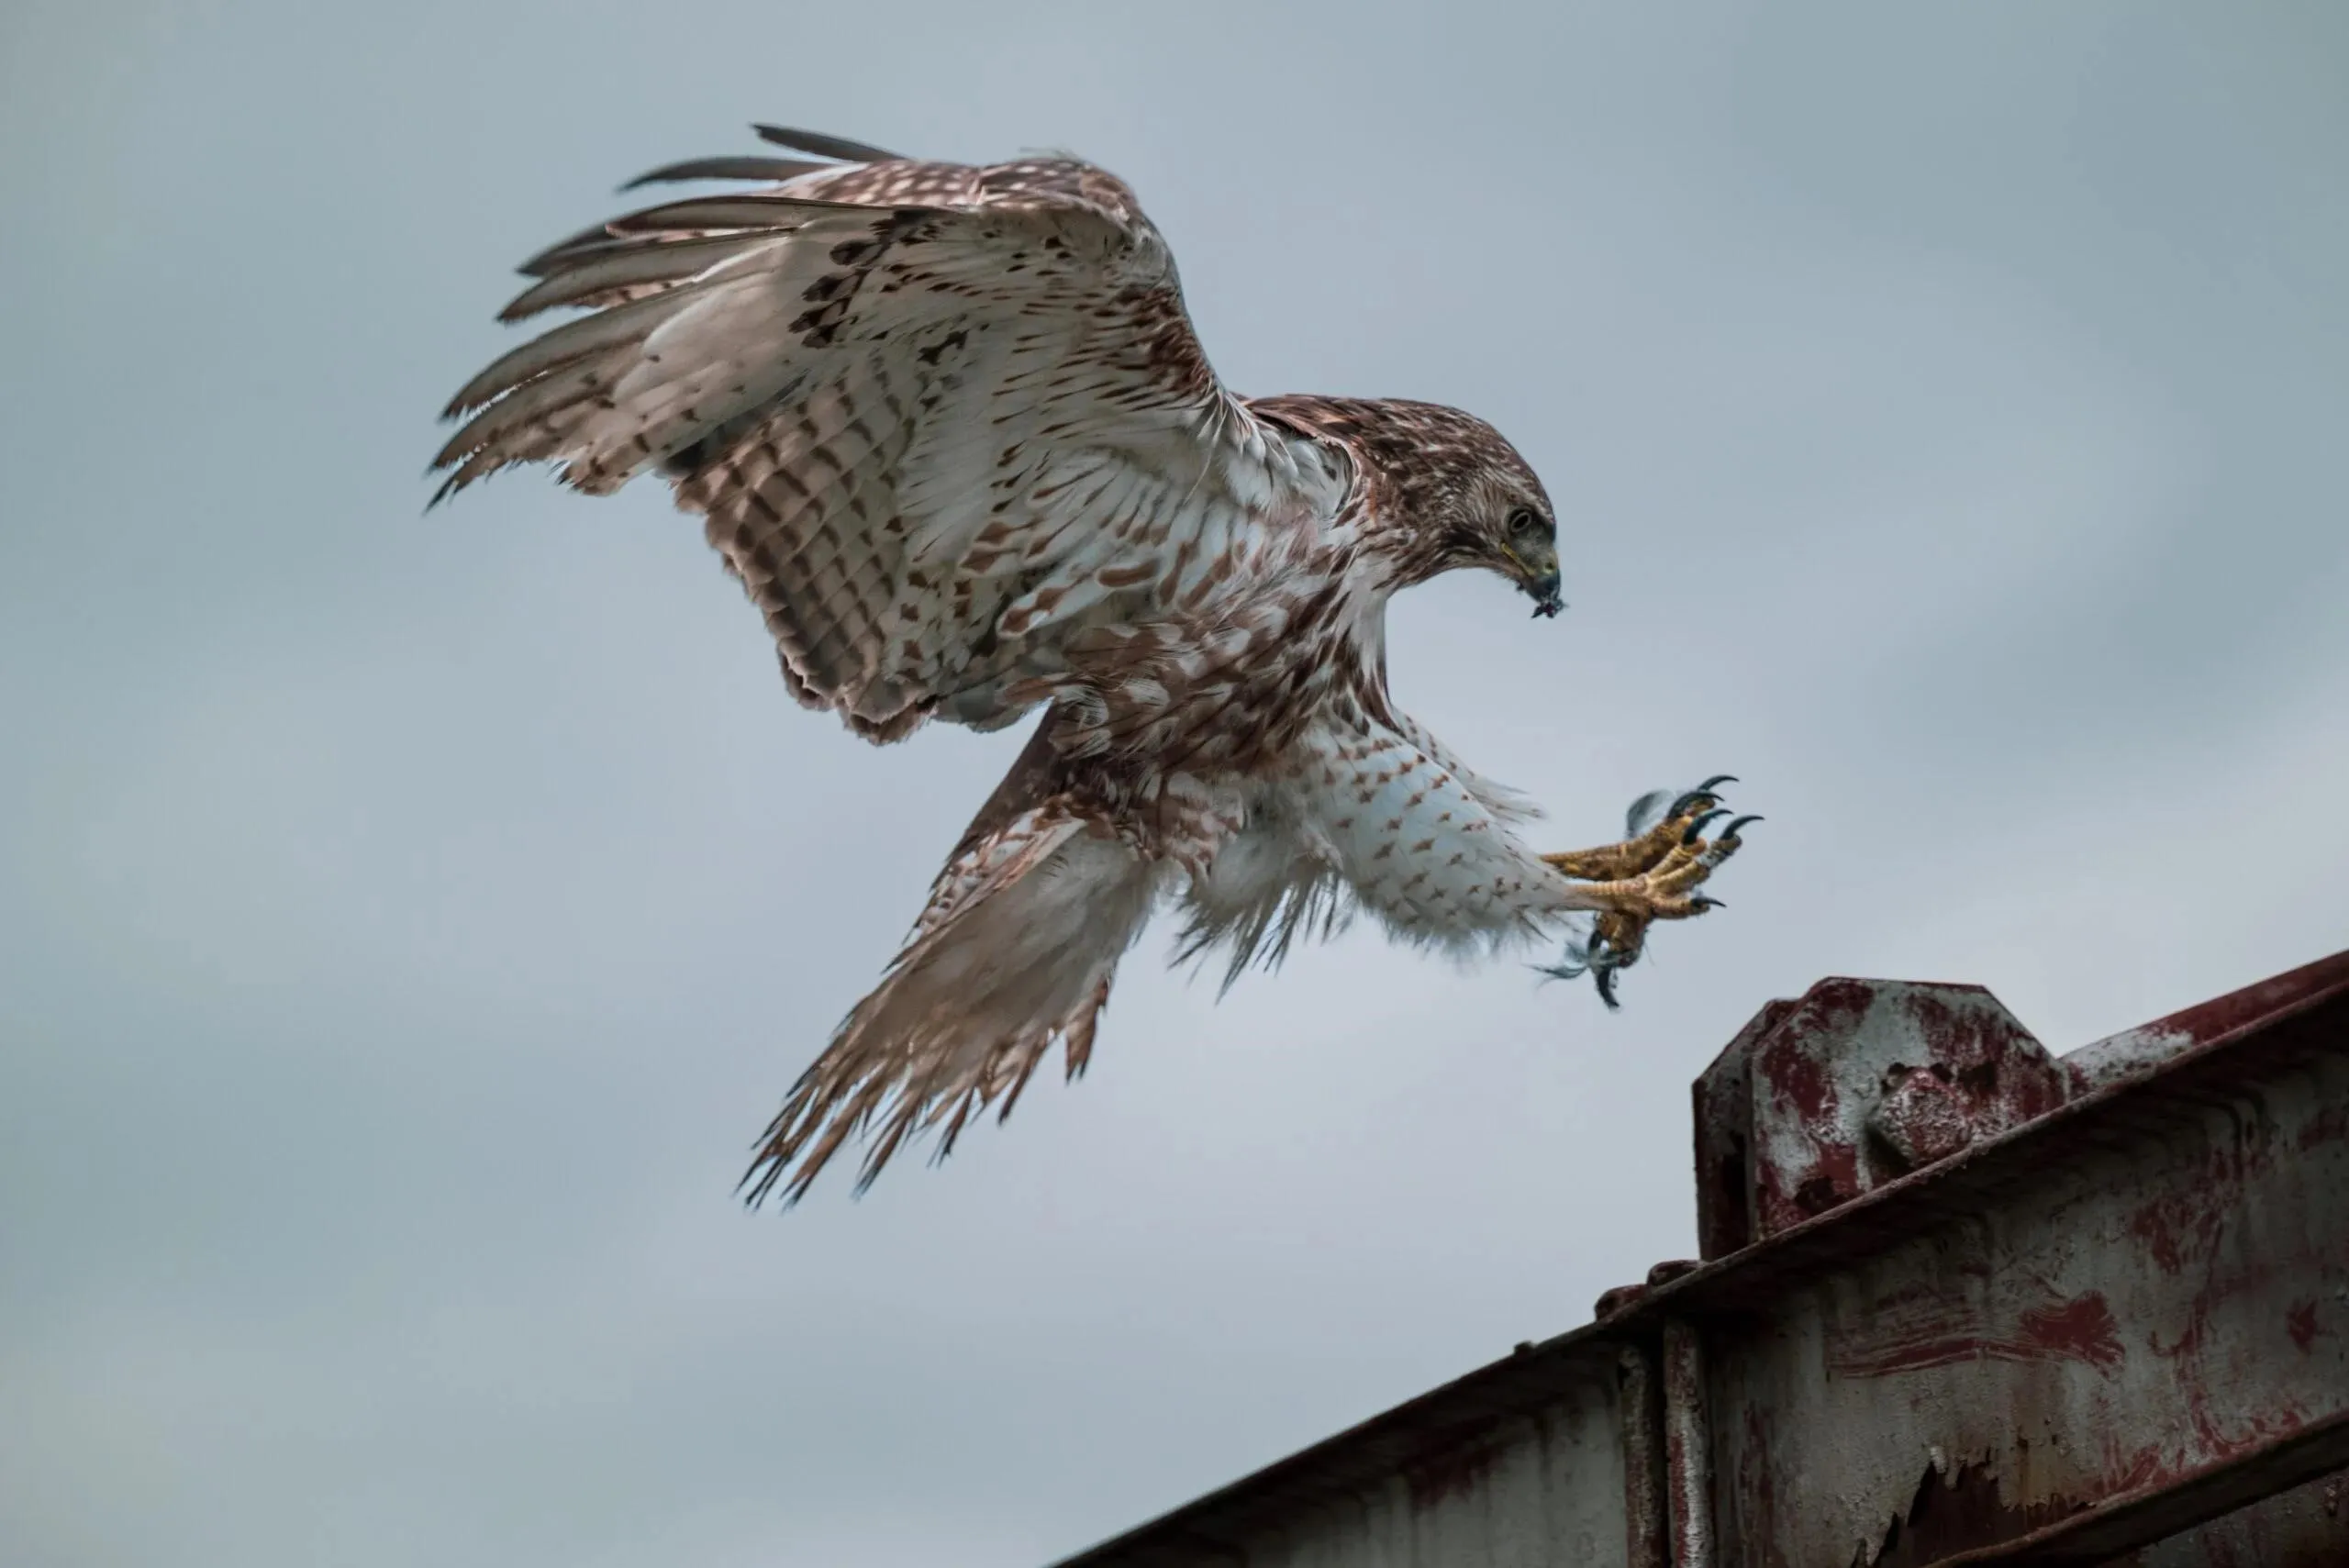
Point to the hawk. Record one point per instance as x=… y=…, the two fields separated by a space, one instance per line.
x=951 y=429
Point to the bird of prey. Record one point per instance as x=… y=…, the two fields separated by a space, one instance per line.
x=951 y=429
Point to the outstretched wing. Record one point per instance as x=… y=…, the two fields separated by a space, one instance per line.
x=935 y=416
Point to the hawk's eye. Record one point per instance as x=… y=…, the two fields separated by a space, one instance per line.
x=1523 y=524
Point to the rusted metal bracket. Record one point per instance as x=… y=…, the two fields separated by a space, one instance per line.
x=1961 y=1301
x=1854 y=1086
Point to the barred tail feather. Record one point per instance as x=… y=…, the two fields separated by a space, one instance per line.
x=1017 y=951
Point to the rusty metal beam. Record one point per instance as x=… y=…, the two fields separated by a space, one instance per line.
x=2127 y=1292
x=1963 y=1302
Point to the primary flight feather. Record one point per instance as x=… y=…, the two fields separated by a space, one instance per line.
x=950 y=429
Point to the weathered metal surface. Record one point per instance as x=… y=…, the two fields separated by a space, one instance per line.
x=2134 y=1053
x=2305 y=1527
x=2124 y=1324
x=2147 y=1282
x=1646 y=1522
x=1518 y=1464
x=2263 y=1527
x=2291 y=1528
x=1687 y=1447
x=2113 y=1328
x=1858 y=1084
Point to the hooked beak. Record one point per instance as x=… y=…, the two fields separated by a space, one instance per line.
x=1537 y=574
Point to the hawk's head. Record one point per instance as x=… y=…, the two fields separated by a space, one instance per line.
x=1523 y=547
x=1443 y=490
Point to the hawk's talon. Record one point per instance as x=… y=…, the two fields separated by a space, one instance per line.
x=1649 y=878
x=1695 y=829
x=1687 y=803
x=1596 y=958
x=1605 y=983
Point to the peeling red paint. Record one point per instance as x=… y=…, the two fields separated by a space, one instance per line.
x=1854 y=1086
x=1801 y=1080
x=2179 y=1224
x=2080 y=1330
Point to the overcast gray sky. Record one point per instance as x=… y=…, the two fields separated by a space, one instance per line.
x=407 y=922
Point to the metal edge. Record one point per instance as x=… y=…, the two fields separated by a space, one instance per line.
x=1883 y=1217
x=1456 y=1413
x=2118 y=1524
x=1445 y=1419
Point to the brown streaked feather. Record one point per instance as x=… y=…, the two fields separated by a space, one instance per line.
x=654 y=226
x=1016 y=951
x=528 y=423
x=774 y=213
x=973 y=331
x=599 y=276
x=573 y=340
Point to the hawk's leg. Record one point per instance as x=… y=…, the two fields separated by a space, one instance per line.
x=1646 y=847
x=1650 y=875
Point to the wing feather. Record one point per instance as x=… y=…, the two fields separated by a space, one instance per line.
x=599 y=276
x=824 y=146
x=726 y=168
x=1015 y=952
x=936 y=416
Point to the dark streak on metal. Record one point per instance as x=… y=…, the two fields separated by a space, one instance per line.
x=2165 y=1509
x=1434 y=1478
x=1951 y=1514
x=1641 y=1399
x=1687 y=1447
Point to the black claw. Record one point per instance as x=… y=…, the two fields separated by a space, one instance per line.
x=1703 y=792
x=1730 y=831
x=1696 y=829
x=1607 y=988
x=1702 y=903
